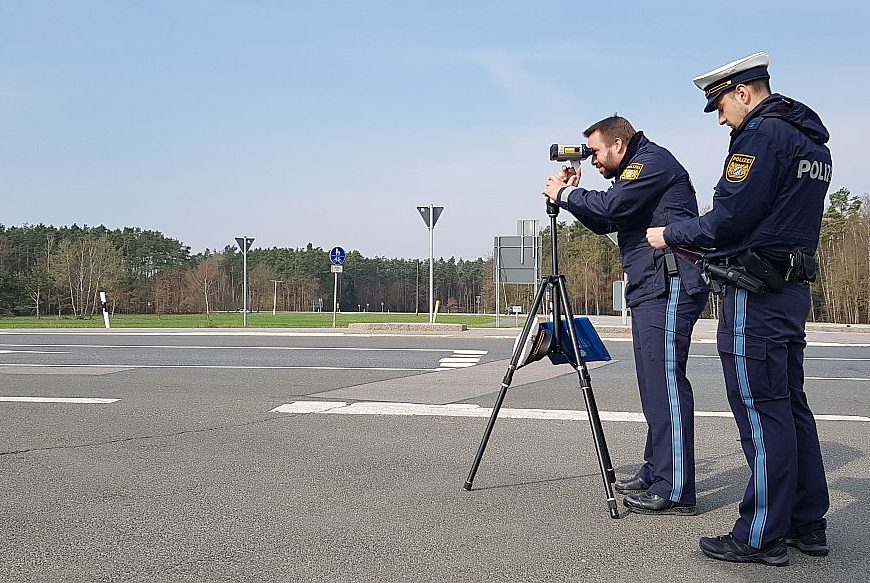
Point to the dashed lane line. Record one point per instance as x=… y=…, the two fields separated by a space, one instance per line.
x=76 y=400
x=32 y=352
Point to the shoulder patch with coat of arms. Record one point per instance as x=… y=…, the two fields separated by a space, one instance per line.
x=631 y=172
x=738 y=167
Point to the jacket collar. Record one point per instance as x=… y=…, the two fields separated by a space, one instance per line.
x=634 y=144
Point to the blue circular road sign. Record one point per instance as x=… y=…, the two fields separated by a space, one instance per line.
x=337 y=256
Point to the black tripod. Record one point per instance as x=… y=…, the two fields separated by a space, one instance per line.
x=560 y=302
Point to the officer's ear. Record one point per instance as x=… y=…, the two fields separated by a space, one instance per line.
x=743 y=94
x=620 y=145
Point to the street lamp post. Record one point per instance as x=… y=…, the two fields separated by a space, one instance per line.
x=245 y=244
x=430 y=216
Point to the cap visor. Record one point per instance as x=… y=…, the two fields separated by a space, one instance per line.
x=711 y=104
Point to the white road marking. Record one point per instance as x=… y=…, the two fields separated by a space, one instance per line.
x=837 y=379
x=382 y=368
x=470 y=410
x=713 y=341
x=79 y=400
x=164 y=332
x=31 y=351
x=308 y=407
x=461 y=359
x=310 y=348
x=837 y=359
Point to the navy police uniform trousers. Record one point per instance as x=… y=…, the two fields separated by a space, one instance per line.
x=761 y=342
x=661 y=331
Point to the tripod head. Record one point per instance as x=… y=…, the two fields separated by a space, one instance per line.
x=552 y=209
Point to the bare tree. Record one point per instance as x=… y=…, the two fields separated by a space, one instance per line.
x=205 y=279
x=85 y=267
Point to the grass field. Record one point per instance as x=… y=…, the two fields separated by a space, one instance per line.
x=255 y=320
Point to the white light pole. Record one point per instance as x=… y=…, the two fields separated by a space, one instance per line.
x=430 y=216
x=244 y=244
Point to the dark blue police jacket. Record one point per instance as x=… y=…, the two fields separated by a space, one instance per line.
x=652 y=190
x=772 y=192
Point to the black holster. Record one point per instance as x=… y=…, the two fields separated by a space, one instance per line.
x=733 y=275
x=762 y=271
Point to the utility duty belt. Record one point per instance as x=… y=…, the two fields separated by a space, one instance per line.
x=759 y=271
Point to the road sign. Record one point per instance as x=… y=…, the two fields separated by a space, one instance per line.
x=618 y=296
x=517 y=260
x=337 y=255
x=245 y=243
x=337 y=268
x=430 y=221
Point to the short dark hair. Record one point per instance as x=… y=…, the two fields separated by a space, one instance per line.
x=611 y=128
x=759 y=85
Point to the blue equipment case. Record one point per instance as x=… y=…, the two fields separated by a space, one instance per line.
x=591 y=347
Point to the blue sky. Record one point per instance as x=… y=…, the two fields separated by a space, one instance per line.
x=328 y=122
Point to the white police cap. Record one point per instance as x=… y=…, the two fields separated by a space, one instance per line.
x=726 y=77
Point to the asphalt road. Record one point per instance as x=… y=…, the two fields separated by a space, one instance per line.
x=320 y=456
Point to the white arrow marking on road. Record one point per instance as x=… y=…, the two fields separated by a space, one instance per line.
x=470 y=410
x=80 y=400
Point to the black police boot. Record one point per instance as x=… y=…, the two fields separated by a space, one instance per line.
x=727 y=548
x=814 y=543
x=649 y=503
x=634 y=484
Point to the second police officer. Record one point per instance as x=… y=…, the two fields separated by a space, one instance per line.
x=666 y=295
x=764 y=226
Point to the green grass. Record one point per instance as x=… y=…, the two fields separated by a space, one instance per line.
x=255 y=320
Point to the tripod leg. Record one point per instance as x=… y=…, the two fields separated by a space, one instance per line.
x=606 y=465
x=512 y=367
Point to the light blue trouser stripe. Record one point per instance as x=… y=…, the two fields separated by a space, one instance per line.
x=756 y=529
x=673 y=395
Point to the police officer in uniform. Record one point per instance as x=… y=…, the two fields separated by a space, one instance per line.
x=764 y=227
x=665 y=292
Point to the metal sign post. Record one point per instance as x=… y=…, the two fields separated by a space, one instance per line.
x=430 y=216
x=336 y=256
x=244 y=244
x=623 y=306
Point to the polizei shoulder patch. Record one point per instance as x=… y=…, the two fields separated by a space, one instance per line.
x=738 y=167
x=631 y=172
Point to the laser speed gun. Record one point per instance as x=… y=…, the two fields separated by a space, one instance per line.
x=570 y=153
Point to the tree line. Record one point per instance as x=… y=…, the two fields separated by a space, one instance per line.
x=47 y=270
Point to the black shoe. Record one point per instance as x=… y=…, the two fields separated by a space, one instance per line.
x=727 y=548
x=632 y=485
x=649 y=503
x=813 y=543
